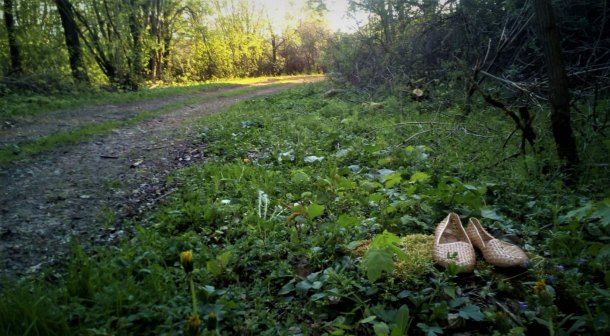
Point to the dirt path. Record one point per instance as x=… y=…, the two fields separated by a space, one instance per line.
x=86 y=190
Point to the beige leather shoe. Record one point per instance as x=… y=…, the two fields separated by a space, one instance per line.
x=495 y=251
x=451 y=244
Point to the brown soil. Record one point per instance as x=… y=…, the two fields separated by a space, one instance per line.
x=88 y=190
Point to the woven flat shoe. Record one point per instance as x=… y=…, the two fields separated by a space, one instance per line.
x=495 y=251
x=451 y=244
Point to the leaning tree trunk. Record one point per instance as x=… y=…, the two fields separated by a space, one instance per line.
x=66 y=14
x=13 y=47
x=559 y=94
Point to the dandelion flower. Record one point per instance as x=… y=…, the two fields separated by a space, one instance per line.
x=186 y=259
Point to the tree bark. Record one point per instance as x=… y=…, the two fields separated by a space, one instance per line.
x=13 y=47
x=66 y=13
x=559 y=94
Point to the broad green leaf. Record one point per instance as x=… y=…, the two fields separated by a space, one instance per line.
x=399 y=252
x=603 y=213
x=402 y=321
x=450 y=291
x=491 y=214
x=345 y=183
x=317 y=296
x=581 y=213
x=377 y=261
x=376 y=198
x=367 y=319
x=471 y=312
x=314 y=210
x=381 y=329
x=347 y=221
x=457 y=302
x=287 y=288
x=224 y=258
x=303 y=286
x=419 y=177
x=386 y=239
x=213 y=267
x=430 y=331
x=300 y=176
x=392 y=179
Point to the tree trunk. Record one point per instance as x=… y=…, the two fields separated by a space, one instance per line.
x=559 y=94
x=66 y=13
x=13 y=48
x=136 y=28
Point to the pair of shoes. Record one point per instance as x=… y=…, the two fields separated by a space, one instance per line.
x=454 y=244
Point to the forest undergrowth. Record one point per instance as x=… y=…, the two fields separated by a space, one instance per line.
x=314 y=216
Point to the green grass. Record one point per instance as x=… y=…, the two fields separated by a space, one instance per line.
x=293 y=184
x=50 y=142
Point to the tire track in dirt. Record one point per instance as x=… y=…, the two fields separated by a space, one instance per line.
x=87 y=190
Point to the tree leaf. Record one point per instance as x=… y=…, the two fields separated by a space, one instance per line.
x=376 y=261
x=386 y=239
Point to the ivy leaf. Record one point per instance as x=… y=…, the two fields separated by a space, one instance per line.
x=376 y=261
x=471 y=312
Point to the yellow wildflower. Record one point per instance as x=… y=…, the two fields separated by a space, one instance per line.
x=539 y=286
x=186 y=258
